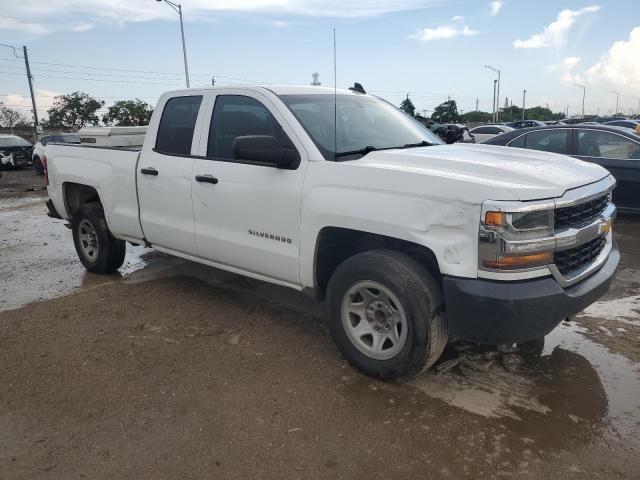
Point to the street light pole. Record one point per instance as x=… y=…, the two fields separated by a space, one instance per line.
x=584 y=93
x=524 y=96
x=638 y=113
x=496 y=99
x=178 y=8
x=493 y=116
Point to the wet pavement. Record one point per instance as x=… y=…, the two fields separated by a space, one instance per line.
x=175 y=370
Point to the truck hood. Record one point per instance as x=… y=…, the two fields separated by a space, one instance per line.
x=527 y=174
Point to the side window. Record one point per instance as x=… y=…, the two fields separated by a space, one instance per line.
x=518 y=142
x=548 y=140
x=178 y=122
x=237 y=116
x=481 y=130
x=595 y=143
x=45 y=140
x=493 y=130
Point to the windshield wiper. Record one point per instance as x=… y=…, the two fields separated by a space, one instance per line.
x=362 y=151
x=423 y=143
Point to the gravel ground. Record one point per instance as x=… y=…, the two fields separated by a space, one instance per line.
x=174 y=370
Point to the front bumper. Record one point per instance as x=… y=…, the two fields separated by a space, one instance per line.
x=497 y=312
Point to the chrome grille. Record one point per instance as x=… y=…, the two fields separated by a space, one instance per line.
x=572 y=261
x=577 y=216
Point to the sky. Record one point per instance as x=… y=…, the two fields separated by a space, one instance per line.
x=430 y=49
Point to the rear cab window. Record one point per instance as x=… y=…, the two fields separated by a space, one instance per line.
x=177 y=125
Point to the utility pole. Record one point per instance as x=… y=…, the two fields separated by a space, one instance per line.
x=584 y=93
x=30 y=80
x=213 y=81
x=524 y=96
x=617 y=94
x=638 y=112
x=33 y=98
x=567 y=114
x=477 y=101
x=511 y=109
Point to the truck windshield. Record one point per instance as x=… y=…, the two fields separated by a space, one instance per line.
x=364 y=124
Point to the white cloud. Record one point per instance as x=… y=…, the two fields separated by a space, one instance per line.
x=279 y=23
x=126 y=11
x=22 y=103
x=619 y=66
x=82 y=27
x=13 y=24
x=556 y=32
x=443 y=32
x=457 y=18
x=496 y=6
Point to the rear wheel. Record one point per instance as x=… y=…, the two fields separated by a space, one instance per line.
x=385 y=314
x=98 y=250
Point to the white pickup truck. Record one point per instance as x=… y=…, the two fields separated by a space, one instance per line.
x=411 y=243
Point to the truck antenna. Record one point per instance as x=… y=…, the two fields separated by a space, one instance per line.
x=335 y=100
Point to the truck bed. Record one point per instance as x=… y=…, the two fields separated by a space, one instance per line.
x=111 y=171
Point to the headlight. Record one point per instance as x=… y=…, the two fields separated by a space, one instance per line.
x=516 y=240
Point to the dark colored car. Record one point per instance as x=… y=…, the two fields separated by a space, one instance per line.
x=526 y=124
x=632 y=124
x=616 y=149
x=15 y=151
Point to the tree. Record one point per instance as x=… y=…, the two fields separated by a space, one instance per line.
x=446 y=112
x=74 y=110
x=10 y=118
x=408 y=106
x=476 y=117
x=128 y=113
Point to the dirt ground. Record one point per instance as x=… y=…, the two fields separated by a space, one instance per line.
x=175 y=370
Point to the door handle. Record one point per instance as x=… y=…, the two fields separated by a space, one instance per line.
x=149 y=171
x=206 y=179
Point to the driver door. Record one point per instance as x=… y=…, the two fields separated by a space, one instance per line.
x=247 y=215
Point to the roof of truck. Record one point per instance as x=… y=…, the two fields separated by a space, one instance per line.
x=279 y=89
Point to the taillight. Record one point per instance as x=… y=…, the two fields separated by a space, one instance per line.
x=45 y=170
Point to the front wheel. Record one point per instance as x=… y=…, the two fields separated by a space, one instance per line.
x=385 y=314
x=98 y=250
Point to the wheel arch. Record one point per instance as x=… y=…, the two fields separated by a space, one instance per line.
x=76 y=195
x=336 y=244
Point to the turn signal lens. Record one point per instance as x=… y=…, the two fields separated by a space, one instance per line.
x=494 y=218
x=519 y=261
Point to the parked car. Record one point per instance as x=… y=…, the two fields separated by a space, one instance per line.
x=617 y=149
x=372 y=214
x=38 y=156
x=15 y=151
x=632 y=124
x=525 y=124
x=485 y=132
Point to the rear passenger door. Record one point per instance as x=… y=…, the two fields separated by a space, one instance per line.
x=249 y=218
x=617 y=153
x=164 y=175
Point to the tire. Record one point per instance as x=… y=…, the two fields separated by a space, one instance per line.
x=37 y=166
x=532 y=347
x=405 y=289
x=98 y=250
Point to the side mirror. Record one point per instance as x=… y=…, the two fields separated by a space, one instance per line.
x=264 y=149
